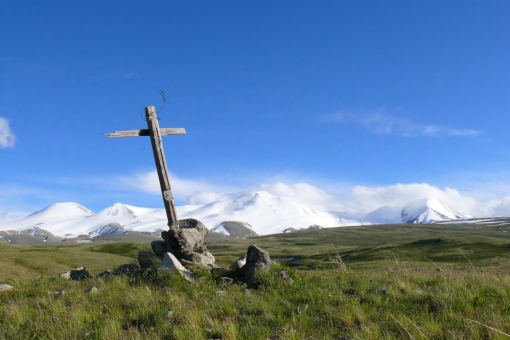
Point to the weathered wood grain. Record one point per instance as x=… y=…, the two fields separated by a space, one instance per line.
x=159 y=157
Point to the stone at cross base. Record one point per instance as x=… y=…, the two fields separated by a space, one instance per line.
x=183 y=242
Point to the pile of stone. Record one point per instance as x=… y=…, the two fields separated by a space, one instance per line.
x=183 y=248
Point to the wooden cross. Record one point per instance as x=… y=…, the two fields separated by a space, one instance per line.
x=155 y=133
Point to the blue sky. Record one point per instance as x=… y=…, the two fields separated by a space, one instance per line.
x=340 y=95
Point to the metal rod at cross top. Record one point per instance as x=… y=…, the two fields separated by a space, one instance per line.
x=155 y=133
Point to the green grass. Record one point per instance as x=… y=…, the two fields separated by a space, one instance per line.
x=326 y=304
x=377 y=282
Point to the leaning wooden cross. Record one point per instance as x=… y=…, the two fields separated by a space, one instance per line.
x=155 y=133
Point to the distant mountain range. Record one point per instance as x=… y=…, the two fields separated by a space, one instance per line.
x=249 y=214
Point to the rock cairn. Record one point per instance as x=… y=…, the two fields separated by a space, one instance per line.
x=184 y=247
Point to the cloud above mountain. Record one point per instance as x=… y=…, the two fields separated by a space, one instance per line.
x=182 y=188
x=7 y=137
x=360 y=200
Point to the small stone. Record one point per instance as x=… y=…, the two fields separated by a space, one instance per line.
x=127 y=269
x=105 y=274
x=93 y=290
x=5 y=287
x=224 y=281
x=80 y=273
x=284 y=275
x=240 y=283
x=58 y=292
x=257 y=261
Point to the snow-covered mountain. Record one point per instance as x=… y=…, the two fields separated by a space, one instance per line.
x=426 y=210
x=243 y=215
x=265 y=213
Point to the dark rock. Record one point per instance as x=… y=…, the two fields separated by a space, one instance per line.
x=147 y=260
x=105 y=274
x=187 y=239
x=160 y=248
x=257 y=261
x=80 y=273
x=127 y=269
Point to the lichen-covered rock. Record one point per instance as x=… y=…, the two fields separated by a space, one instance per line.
x=187 y=239
x=170 y=263
x=147 y=260
x=80 y=273
x=257 y=261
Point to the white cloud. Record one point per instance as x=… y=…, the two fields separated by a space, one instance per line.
x=360 y=200
x=384 y=124
x=7 y=137
x=181 y=188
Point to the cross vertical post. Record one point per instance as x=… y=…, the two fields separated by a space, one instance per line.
x=159 y=158
x=155 y=133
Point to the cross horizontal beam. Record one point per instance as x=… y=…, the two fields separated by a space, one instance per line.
x=145 y=132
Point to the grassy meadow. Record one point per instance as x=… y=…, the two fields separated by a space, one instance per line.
x=369 y=282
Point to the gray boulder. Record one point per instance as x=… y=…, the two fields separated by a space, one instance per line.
x=198 y=259
x=160 y=248
x=170 y=263
x=210 y=256
x=80 y=273
x=187 y=239
x=147 y=260
x=257 y=261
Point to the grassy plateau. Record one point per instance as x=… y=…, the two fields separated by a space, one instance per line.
x=366 y=282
